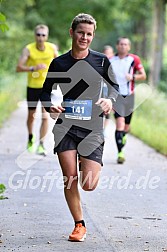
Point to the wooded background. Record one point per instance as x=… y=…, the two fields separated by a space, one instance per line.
x=143 y=21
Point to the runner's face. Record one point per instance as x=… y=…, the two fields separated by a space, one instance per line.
x=123 y=47
x=82 y=36
x=109 y=53
x=41 y=35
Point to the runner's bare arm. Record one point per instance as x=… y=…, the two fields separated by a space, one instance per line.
x=55 y=51
x=140 y=75
x=22 y=67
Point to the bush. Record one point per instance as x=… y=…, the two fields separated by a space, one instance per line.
x=163 y=86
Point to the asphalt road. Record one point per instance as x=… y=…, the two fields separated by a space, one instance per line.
x=126 y=213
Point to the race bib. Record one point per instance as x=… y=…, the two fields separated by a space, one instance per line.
x=78 y=109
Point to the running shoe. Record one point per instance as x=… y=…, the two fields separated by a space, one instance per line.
x=31 y=145
x=41 y=150
x=121 y=158
x=78 y=234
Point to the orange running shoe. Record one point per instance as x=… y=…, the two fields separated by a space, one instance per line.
x=78 y=234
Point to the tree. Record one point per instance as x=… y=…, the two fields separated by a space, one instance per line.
x=59 y=14
x=157 y=42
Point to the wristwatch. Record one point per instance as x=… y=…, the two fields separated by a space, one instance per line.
x=113 y=99
x=31 y=69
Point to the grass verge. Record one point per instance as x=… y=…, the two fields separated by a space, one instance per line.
x=12 y=90
x=149 y=122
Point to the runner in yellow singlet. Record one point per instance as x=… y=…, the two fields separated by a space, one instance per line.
x=35 y=59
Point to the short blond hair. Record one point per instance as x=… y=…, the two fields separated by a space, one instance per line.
x=41 y=26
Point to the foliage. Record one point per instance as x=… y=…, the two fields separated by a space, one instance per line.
x=163 y=83
x=2 y=190
x=59 y=15
x=24 y=15
x=163 y=86
x=3 y=25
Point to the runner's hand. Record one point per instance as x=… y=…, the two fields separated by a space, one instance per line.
x=129 y=77
x=55 y=111
x=105 y=104
x=40 y=66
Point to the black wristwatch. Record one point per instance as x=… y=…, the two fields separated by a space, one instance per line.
x=113 y=99
x=31 y=69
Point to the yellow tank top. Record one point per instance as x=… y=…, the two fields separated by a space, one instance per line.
x=37 y=78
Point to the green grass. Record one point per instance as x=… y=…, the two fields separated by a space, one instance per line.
x=12 y=90
x=149 y=122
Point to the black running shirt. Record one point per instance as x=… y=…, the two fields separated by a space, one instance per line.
x=81 y=83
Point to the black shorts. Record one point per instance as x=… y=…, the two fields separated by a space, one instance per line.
x=33 y=96
x=127 y=118
x=124 y=107
x=88 y=144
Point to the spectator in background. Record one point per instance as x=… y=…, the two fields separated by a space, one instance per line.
x=127 y=68
x=35 y=59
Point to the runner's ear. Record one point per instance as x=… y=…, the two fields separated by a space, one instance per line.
x=71 y=32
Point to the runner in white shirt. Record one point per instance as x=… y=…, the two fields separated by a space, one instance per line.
x=127 y=69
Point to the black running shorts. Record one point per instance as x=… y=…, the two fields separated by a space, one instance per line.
x=88 y=144
x=33 y=96
x=124 y=107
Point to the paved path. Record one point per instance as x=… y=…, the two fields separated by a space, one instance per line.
x=126 y=213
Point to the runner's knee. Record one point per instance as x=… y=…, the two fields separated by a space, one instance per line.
x=71 y=182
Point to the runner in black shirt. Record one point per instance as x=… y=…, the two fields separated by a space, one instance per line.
x=78 y=131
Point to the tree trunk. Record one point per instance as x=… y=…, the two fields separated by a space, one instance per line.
x=157 y=41
x=140 y=44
